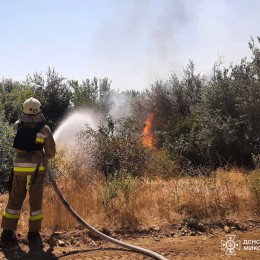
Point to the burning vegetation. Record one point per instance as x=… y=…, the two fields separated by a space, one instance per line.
x=148 y=137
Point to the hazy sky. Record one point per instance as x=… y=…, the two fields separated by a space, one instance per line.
x=132 y=42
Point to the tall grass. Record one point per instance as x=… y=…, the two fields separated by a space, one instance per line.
x=134 y=203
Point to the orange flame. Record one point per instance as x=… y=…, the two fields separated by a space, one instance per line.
x=148 y=138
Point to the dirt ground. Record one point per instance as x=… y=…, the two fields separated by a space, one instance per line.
x=177 y=243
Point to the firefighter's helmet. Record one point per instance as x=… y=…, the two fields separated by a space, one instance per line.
x=31 y=106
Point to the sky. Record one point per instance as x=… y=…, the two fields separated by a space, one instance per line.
x=131 y=42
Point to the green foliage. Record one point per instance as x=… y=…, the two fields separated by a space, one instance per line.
x=198 y=120
x=211 y=122
x=161 y=165
x=116 y=146
x=6 y=151
x=173 y=102
x=12 y=98
x=55 y=95
x=191 y=222
x=227 y=121
x=90 y=93
x=119 y=185
x=194 y=224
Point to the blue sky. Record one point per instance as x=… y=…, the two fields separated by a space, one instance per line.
x=132 y=42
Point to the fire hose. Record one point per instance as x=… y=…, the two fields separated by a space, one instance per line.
x=92 y=230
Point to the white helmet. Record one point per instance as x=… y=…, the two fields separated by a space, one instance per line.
x=31 y=106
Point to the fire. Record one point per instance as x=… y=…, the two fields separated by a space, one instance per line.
x=148 y=138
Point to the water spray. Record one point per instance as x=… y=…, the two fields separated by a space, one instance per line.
x=66 y=133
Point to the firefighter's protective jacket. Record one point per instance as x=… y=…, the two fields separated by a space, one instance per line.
x=26 y=162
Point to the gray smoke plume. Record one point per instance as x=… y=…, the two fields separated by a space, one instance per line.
x=146 y=27
x=119 y=105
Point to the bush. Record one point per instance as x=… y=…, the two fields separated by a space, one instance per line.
x=115 y=147
x=6 y=152
x=121 y=184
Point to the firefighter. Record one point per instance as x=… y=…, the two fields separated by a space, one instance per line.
x=33 y=141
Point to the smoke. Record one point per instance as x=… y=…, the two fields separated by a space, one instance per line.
x=138 y=43
x=119 y=105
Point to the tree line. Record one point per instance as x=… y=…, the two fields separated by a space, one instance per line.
x=210 y=120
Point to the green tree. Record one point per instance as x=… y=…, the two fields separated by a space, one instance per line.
x=172 y=101
x=12 y=96
x=90 y=93
x=225 y=124
x=54 y=93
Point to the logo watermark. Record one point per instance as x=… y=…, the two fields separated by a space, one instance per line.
x=231 y=245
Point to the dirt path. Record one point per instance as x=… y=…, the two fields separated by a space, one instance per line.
x=172 y=247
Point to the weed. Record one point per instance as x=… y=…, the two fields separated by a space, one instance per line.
x=253 y=182
x=119 y=184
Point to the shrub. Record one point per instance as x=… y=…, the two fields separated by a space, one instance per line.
x=6 y=152
x=115 y=147
x=121 y=184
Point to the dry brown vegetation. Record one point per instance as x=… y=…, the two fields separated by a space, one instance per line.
x=131 y=203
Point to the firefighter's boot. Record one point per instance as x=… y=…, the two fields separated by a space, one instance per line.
x=8 y=239
x=35 y=241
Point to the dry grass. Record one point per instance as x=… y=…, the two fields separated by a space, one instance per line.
x=134 y=203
